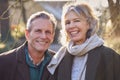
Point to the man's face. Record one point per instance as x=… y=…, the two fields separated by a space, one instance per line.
x=41 y=35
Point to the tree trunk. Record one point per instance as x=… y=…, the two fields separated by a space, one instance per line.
x=4 y=21
x=115 y=15
x=23 y=11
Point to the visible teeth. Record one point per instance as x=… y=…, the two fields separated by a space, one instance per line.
x=42 y=42
x=74 y=32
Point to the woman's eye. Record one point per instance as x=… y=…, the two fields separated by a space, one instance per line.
x=67 y=22
x=77 y=20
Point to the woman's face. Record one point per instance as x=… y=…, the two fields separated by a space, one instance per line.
x=76 y=27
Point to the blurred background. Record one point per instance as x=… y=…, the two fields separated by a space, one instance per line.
x=14 y=15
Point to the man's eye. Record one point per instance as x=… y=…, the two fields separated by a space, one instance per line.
x=37 y=31
x=48 y=32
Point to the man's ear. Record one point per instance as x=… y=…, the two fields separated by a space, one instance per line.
x=26 y=34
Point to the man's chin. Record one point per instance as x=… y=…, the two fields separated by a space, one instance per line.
x=41 y=49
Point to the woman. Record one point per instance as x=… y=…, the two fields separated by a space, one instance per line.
x=83 y=55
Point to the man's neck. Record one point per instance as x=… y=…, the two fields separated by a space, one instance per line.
x=37 y=57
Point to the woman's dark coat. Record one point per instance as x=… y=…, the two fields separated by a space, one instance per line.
x=13 y=65
x=102 y=64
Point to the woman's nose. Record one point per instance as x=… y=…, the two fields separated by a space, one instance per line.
x=71 y=25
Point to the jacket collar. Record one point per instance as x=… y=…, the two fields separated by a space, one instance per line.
x=22 y=67
x=66 y=65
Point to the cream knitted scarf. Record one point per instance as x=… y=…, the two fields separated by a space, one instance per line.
x=79 y=50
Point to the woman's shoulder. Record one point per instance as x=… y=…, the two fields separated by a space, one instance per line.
x=107 y=50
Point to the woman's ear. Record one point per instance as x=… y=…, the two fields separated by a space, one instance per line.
x=88 y=34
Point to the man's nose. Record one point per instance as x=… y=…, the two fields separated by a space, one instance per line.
x=43 y=35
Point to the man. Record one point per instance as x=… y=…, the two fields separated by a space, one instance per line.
x=29 y=61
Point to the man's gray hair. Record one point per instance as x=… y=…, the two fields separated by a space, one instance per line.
x=41 y=14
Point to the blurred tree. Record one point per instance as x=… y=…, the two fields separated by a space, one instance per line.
x=4 y=21
x=111 y=26
x=23 y=10
x=114 y=7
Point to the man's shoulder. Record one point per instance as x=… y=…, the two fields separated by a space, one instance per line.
x=7 y=58
x=7 y=53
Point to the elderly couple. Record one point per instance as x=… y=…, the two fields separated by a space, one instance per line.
x=81 y=57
